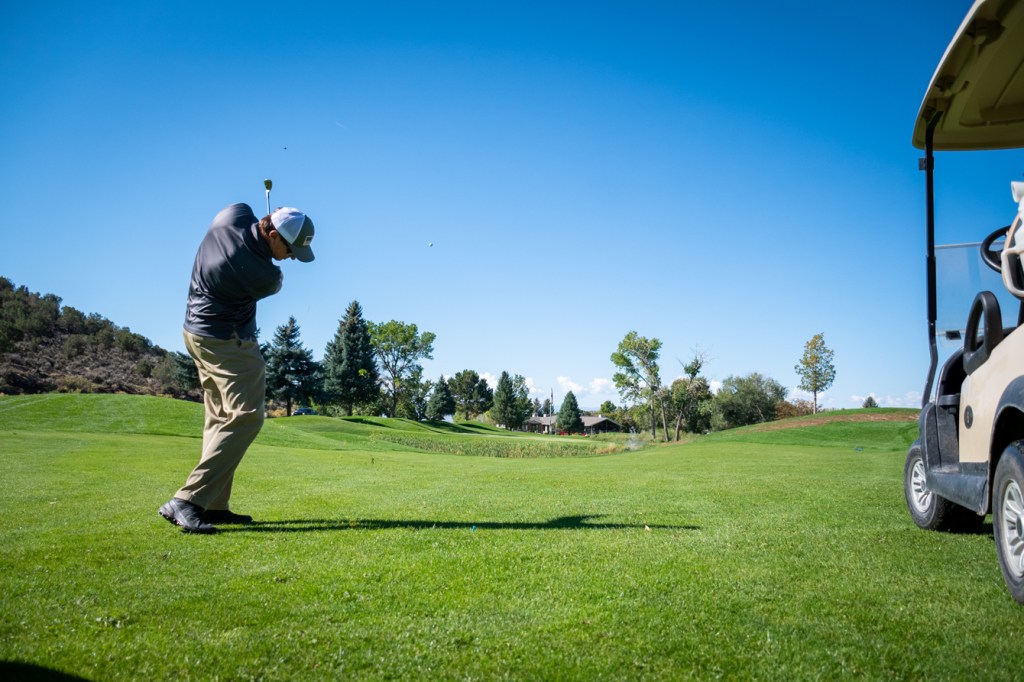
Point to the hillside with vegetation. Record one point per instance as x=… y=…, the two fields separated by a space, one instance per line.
x=49 y=347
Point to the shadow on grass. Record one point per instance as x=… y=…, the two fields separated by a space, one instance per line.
x=467 y=427
x=17 y=670
x=449 y=427
x=367 y=422
x=979 y=529
x=583 y=522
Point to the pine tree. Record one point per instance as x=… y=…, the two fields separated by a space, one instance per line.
x=504 y=401
x=512 y=404
x=350 y=371
x=569 y=419
x=292 y=374
x=185 y=375
x=524 y=407
x=441 y=403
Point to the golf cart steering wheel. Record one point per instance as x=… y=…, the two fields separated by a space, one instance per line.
x=993 y=257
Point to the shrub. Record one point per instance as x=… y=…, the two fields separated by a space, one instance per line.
x=144 y=368
x=104 y=338
x=130 y=343
x=72 y=320
x=67 y=383
x=797 y=408
x=75 y=345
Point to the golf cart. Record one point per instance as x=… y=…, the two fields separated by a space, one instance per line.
x=969 y=458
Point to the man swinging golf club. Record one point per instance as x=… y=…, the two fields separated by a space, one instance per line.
x=233 y=269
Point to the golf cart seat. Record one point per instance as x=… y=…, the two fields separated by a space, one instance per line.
x=977 y=347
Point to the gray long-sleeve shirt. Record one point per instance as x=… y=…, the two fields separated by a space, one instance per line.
x=233 y=269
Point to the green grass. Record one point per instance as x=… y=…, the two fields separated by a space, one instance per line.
x=746 y=555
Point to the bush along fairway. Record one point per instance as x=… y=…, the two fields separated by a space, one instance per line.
x=394 y=550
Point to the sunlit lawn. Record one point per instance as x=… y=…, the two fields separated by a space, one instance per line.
x=772 y=555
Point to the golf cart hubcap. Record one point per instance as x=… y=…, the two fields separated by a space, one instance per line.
x=918 y=488
x=1013 y=528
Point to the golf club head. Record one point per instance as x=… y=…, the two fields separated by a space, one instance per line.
x=268 y=183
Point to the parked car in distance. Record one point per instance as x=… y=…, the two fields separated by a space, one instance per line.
x=303 y=410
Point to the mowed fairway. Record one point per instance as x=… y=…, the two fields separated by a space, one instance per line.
x=783 y=554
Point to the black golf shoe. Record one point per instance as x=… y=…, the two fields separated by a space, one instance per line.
x=225 y=516
x=187 y=516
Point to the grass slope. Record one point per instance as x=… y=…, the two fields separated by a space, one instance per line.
x=751 y=555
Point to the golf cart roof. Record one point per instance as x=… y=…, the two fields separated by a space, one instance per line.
x=978 y=86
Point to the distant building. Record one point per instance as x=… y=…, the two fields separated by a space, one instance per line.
x=591 y=425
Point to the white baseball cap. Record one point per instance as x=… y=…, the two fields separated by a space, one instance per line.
x=297 y=229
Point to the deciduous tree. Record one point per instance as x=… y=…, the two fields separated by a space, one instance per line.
x=691 y=397
x=399 y=347
x=639 y=377
x=815 y=368
x=472 y=394
x=415 y=396
x=749 y=400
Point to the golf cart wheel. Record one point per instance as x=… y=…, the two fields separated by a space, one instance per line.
x=1008 y=517
x=929 y=510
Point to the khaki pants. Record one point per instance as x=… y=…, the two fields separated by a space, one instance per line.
x=233 y=376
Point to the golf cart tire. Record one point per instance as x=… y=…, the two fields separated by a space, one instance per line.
x=928 y=510
x=1008 y=517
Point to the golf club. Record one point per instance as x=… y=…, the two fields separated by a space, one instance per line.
x=268 y=184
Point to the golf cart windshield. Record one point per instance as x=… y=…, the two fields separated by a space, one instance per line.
x=962 y=274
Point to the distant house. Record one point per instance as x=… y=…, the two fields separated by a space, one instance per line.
x=591 y=425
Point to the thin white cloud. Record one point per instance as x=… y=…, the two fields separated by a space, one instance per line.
x=568 y=384
x=534 y=390
x=601 y=386
x=908 y=399
x=799 y=394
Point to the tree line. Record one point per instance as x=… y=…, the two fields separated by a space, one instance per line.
x=376 y=369
x=688 y=403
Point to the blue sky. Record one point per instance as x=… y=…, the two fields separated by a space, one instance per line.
x=733 y=177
